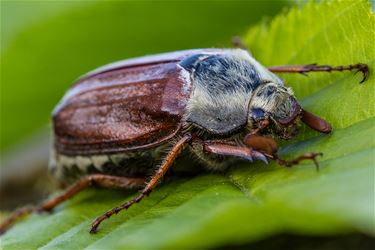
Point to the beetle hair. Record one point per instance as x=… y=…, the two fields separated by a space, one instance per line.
x=273 y=99
x=222 y=88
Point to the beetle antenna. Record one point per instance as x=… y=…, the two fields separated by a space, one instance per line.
x=315 y=122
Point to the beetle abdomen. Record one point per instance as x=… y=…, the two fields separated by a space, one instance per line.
x=136 y=163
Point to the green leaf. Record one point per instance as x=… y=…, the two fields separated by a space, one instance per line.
x=254 y=201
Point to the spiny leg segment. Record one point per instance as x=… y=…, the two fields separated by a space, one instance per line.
x=237 y=42
x=303 y=69
x=168 y=162
x=101 y=180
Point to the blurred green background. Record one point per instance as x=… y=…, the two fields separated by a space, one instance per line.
x=46 y=45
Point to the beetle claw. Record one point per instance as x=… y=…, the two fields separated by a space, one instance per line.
x=260 y=157
x=365 y=75
x=249 y=158
x=363 y=68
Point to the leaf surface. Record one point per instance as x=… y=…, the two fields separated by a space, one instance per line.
x=254 y=201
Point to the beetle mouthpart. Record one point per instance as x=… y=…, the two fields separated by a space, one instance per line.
x=295 y=112
x=315 y=122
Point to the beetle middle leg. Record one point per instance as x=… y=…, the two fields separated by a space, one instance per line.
x=167 y=163
x=237 y=42
x=303 y=69
x=100 y=180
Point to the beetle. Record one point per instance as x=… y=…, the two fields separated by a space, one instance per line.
x=114 y=124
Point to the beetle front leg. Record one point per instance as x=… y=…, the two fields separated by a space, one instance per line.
x=100 y=180
x=251 y=154
x=269 y=147
x=230 y=150
x=303 y=69
x=296 y=161
x=167 y=163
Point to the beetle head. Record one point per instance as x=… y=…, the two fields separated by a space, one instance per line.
x=277 y=105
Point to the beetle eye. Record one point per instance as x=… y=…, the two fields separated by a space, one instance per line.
x=257 y=114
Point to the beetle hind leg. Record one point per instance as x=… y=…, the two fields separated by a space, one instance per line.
x=237 y=42
x=106 y=181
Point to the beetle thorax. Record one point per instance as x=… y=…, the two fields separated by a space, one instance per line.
x=225 y=89
x=222 y=89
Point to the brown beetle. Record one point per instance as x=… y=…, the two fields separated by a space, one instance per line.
x=114 y=124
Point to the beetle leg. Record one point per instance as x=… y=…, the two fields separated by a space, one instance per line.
x=261 y=143
x=168 y=162
x=268 y=146
x=303 y=69
x=250 y=154
x=315 y=122
x=101 y=180
x=296 y=161
x=238 y=43
x=231 y=150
